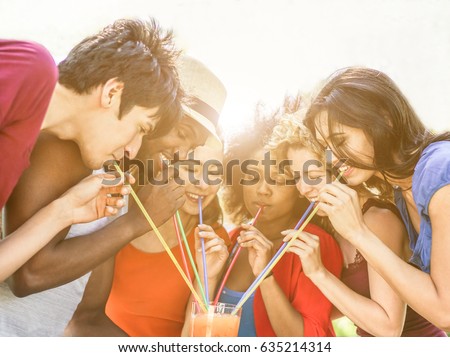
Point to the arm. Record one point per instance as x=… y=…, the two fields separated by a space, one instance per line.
x=56 y=167
x=427 y=294
x=284 y=318
x=90 y=319
x=83 y=203
x=382 y=314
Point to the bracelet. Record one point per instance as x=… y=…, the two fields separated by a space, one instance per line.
x=268 y=275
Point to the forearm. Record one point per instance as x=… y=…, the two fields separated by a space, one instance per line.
x=415 y=287
x=98 y=325
x=285 y=320
x=364 y=312
x=57 y=264
x=18 y=247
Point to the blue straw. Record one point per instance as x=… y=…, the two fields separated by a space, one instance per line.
x=300 y=222
x=202 y=241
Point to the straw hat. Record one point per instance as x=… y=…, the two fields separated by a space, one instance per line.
x=206 y=93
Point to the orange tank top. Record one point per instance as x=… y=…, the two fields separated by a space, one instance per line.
x=148 y=296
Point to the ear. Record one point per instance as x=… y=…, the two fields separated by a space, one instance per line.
x=111 y=93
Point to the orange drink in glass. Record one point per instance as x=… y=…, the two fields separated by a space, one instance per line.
x=217 y=322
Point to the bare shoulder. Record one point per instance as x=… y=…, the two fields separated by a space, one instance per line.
x=440 y=202
x=387 y=226
x=55 y=166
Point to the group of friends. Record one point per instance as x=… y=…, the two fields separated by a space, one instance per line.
x=78 y=257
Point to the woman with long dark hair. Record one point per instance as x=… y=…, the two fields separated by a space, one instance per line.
x=365 y=119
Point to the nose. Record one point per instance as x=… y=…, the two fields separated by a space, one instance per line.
x=183 y=151
x=133 y=146
x=305 y=188
x=263 y=188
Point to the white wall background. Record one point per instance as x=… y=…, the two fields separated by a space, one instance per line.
x=263 y=49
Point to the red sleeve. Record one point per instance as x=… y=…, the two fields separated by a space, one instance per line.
x=28 y=76
x=309 y=300
x=303 y=295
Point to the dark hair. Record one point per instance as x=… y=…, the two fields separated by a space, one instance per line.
x=240 y=147
x=139 y=54
x=369 y=100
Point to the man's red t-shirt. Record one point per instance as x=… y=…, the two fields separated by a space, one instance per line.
x=28 y=76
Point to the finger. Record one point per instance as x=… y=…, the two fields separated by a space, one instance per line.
x=288 y=231
x=309 y=238
x=330 y=199
x=215 y=243
x=337 y=189
x=290 y=236
x=249 y=227
x=129 y=177
x=247 y=236
x=115 y=202
x=116 y=189
x=110 y=211
x=325 y=208
x=207 y=235
x=301 y=245
x=253 y=244
x=298 y=251
x=205 y=228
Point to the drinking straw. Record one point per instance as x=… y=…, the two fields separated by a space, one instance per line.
x=277 y=256
x=163 y=242
x=191 y=259
x=233 y=261
x=183 y=256
x=202 y=241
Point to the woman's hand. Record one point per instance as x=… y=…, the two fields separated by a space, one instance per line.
x=95 y=197
x=215 y=250
x=260 y=249
x=307 y=247
x=341 y=204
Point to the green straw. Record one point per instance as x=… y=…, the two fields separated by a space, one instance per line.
x=163 y=242
x=191 y=259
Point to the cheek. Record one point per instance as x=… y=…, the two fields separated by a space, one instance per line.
x=249 y=193
x=183 y=175
x=285 y=197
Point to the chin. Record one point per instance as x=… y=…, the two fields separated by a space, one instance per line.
x=189 y=209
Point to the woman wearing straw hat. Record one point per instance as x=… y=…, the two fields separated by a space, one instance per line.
x=143 y=295
x=286 y=303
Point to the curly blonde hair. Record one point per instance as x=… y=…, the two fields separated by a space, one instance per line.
x=292 y=133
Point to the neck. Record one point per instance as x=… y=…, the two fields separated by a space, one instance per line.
x=63 y=114
x=405 y=183
x=272 y=229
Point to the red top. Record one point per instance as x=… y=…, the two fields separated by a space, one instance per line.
x=303 y=295
x=28 y=76
x=148 y=295
x=356 y=277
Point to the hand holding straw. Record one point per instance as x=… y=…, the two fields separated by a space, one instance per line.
x=202 y=241
x=278 y=255
x=163 y=242
x=230 y=267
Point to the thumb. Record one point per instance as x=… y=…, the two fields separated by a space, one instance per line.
x=109 y=180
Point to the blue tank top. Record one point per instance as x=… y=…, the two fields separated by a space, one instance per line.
x=431 y=173
x=247 y=324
